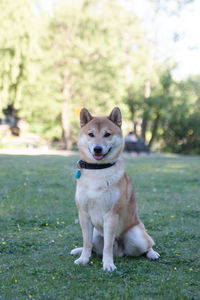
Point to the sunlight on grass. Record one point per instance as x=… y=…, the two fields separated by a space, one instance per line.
x=39 y=227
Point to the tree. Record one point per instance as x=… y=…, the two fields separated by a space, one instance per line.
x=15 y=50
x=85 y=39
x=181 y=128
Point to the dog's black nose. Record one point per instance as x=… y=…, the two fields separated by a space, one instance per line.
x=98 y=149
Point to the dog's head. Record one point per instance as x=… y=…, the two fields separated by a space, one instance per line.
x=100 y=138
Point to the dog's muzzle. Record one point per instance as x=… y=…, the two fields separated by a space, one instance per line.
x=98 y=155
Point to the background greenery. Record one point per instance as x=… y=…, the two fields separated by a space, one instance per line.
x=94 y=54
x=38 y=228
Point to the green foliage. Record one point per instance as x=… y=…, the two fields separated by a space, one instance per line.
x=88 y=62
x=93 y=54
x=181 y=131
x=15 y=50
x=38 y=229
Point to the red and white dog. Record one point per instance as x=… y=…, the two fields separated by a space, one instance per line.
x=104 y=195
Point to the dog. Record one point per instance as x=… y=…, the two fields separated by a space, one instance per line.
x=104 y=194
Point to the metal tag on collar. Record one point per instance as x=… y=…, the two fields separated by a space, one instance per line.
x=78 y=172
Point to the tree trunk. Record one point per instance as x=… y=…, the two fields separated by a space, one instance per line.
x=135 y=128
x=155 y=128
x=144 y=126
x=145 y=119
x=65 y=125
x=65 y=112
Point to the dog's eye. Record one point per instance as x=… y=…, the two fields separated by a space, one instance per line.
x=107 y=134
x=91 y=134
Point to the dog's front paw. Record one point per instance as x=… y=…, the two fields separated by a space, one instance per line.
x=153 y=255
x=109 y=267
x=82 y=261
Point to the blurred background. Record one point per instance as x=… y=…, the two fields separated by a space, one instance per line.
x=140 y=55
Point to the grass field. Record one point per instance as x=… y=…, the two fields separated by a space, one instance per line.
x=38 y=228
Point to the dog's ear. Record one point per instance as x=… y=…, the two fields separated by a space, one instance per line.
x=116 y=116
x=85 y=117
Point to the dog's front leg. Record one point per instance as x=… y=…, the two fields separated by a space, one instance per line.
x=110 y=226
x=87 y=231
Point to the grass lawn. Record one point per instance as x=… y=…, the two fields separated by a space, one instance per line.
x=38 y=228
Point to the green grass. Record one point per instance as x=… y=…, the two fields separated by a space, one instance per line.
x=38 y=229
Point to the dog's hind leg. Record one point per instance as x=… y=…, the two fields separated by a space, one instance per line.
x=76 y=251
x=118 y=250
x=97 y=242
x=137 y=242
x=153 y=255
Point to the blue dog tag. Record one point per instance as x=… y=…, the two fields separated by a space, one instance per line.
x=78 y=174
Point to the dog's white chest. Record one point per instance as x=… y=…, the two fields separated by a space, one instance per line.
x=96 y=194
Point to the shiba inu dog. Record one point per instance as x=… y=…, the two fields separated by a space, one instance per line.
x=104 y=194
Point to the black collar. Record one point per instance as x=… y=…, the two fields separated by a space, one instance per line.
x=84 y=165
